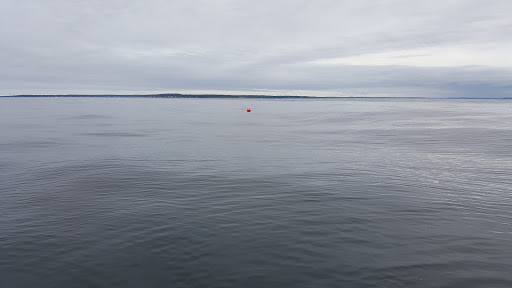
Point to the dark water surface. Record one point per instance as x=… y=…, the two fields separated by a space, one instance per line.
x=101 y=192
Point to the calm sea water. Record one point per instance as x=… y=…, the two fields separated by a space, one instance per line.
x=113 y=192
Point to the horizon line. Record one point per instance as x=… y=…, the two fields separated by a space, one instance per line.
x=213 y=95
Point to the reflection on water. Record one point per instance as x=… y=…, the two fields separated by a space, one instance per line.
x=307 y=193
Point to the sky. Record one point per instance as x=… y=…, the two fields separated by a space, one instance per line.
x=391 y=48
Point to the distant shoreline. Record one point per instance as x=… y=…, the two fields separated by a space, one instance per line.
x=226 y=96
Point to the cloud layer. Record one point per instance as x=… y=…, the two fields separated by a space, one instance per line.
x=323 y=47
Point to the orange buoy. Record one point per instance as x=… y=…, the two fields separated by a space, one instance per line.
x=248 y=110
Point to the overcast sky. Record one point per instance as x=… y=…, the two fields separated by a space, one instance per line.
x=446 y=48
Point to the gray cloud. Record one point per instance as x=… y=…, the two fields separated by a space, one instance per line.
x=351 y=48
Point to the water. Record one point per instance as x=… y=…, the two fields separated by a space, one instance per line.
x=102 y=192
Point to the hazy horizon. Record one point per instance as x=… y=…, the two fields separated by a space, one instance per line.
x=322 y=48
x=249 y=95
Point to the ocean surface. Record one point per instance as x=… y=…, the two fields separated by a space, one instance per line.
x=134 y=192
